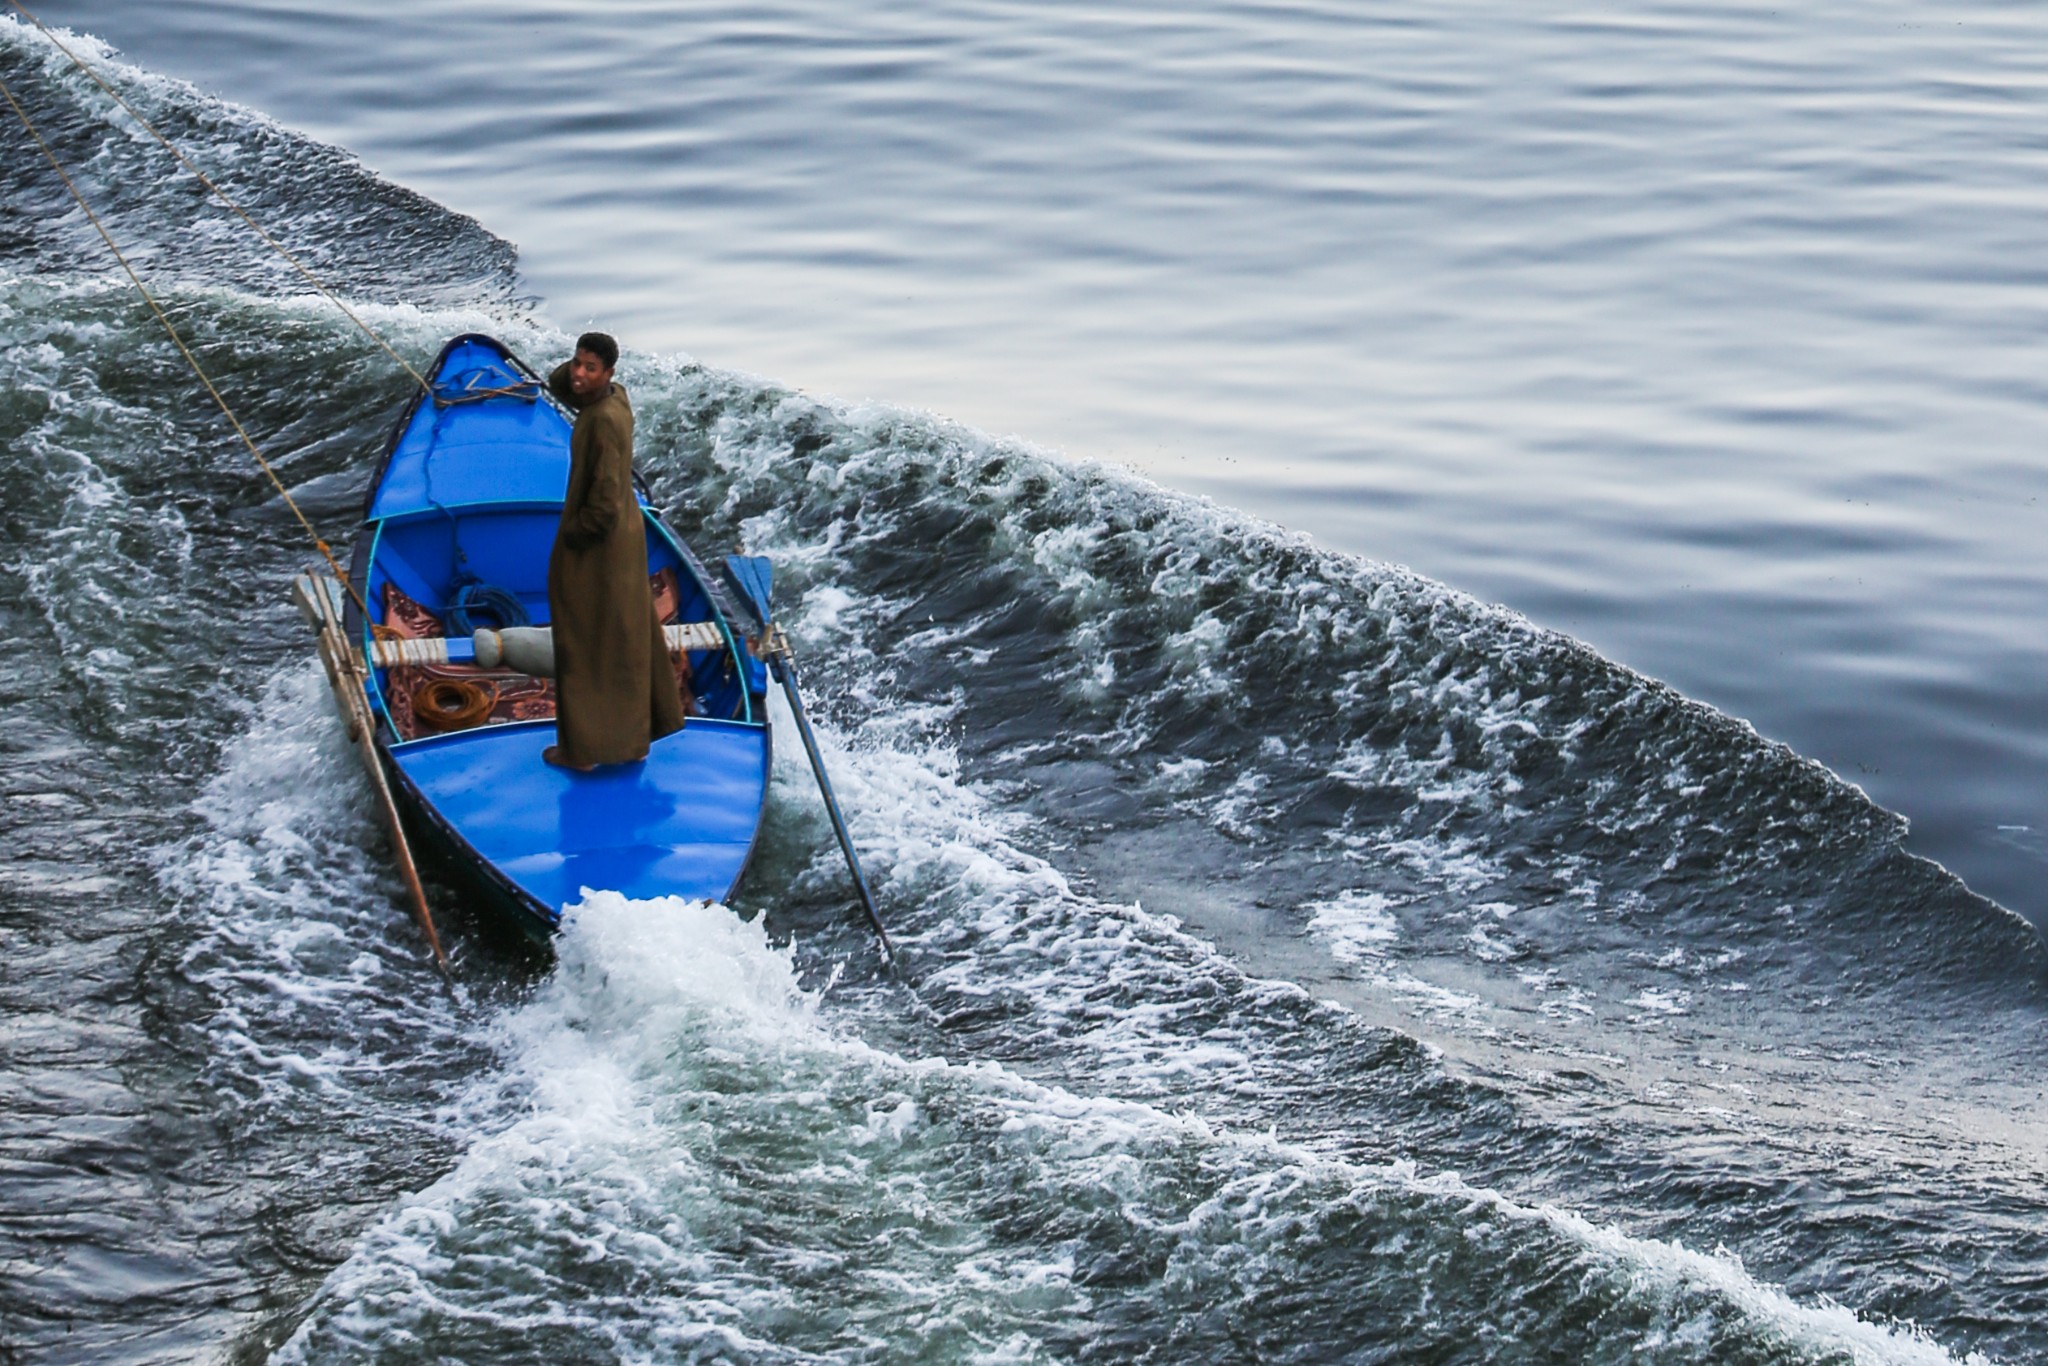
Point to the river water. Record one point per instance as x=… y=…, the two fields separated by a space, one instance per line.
x=1325 y=937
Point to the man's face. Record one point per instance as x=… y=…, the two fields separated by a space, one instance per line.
x=588 y=375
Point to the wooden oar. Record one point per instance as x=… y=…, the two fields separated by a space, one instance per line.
x=347 y=676
x=782 y=663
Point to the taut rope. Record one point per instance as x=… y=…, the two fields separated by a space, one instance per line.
x=326 y=552
x=186 y=162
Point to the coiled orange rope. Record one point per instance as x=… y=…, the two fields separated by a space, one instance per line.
x=453 y=703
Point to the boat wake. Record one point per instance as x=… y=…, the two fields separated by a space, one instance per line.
x=687 y=1153
x=1300 y=958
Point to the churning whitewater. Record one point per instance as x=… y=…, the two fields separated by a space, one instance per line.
x=1301 y=961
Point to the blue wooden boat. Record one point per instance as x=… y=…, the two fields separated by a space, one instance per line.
x=454 y=543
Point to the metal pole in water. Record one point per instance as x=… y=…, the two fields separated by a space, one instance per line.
x=783 y=663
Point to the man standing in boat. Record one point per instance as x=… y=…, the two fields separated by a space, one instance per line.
x=615 y=691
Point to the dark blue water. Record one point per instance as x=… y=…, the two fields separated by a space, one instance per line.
x=1306 y=958
x=1710 y=337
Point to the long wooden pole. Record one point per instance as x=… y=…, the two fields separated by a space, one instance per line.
x=348 y=678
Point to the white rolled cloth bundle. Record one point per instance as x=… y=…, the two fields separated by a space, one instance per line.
x=523 y=649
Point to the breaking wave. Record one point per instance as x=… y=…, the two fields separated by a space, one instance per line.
x=1301 y=958
x=701 y=1163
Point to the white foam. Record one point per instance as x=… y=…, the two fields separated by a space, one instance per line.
x=1488 y=949
x=673 y=1042
x=1662 y=1002
x=1356 y=925
x=313 y=968
x=609 y=1142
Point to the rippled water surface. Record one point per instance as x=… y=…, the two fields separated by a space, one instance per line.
x=1711 y=336
x=1306 y=958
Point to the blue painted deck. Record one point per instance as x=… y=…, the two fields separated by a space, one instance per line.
x=679 y=824
x=496 y=451
x=475 y=489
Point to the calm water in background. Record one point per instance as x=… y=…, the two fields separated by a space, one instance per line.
x=1482 y=1001
x=1710 y=335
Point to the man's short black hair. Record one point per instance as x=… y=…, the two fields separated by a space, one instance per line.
x=601 y=345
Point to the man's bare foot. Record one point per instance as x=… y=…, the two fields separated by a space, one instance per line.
x=553 y=754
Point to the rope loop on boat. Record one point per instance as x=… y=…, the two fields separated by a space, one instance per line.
x=453 y=703
x=526 y=389
x=486 y=600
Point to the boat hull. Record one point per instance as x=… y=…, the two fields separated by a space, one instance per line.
x=524 y=838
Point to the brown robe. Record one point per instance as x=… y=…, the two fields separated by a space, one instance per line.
x=615 y=690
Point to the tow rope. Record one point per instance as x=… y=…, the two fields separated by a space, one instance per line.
x=205 y=180
x=345 y=670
